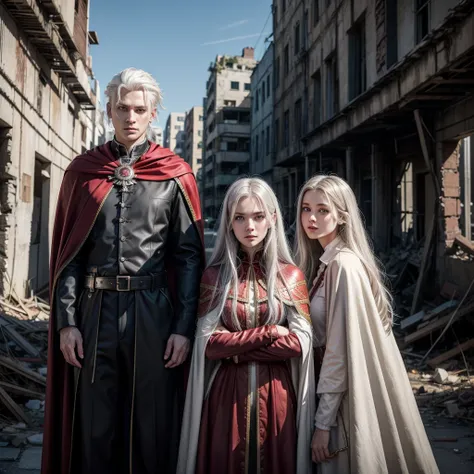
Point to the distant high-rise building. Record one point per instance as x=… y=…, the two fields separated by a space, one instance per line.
x=156 y=135
x=226 y=127
x=193 y=142
x=174 y=132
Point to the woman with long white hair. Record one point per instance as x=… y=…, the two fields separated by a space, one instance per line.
x=250 y=396
x=367 y=420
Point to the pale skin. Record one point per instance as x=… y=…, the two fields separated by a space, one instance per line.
x=250 y=225
x=320 y=222
x=131 y=115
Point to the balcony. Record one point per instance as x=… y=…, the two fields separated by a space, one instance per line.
x=230 y=129
x=232 y=156
x=54 y=42
x=225 y=179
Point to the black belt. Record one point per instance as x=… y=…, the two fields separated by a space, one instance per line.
x=126 y=283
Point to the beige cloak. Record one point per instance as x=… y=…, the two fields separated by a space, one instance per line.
x=379 y=411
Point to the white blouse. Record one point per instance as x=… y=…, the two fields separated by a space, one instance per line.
x=328 y=407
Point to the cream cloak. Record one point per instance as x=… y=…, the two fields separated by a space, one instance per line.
x=379 y=411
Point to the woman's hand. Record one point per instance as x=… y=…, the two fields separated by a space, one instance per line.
x=282 y=331
x=221 y=329
x=320 y=446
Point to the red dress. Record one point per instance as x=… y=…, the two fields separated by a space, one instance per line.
x=249 y=417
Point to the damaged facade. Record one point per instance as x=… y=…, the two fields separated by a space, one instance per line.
x=49 y=113
x=381 y=92
x=226 y=127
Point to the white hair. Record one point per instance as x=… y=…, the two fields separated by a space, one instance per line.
x=135 y=79
x=275 y=245
x=352 y=231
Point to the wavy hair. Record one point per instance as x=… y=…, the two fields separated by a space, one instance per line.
x=352 y=231
x=226 y=250
x=135 y=80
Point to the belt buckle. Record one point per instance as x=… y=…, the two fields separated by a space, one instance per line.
x=121 y=278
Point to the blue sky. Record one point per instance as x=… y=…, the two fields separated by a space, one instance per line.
x=174 y=40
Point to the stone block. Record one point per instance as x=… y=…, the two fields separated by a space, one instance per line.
x=440 y=376
x=31 y=459
x=9 y=454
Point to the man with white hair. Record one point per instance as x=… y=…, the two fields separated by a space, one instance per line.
x=126 y=262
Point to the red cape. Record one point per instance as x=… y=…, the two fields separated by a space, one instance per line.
x=84 y=189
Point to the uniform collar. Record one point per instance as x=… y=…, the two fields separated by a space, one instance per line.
x=332 y=250
x=120 y=151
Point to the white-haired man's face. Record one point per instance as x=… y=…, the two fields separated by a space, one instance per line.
x=130 y=115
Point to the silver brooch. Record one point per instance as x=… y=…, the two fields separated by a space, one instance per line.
x=123 y=176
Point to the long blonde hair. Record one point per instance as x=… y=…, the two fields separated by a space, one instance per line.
x=352 y=232
x=275 y=245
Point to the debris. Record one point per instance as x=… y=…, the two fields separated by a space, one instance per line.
x=33 y=405
x=36 y=439
x=9 y=454
x=464 y=244
x=440 y=376
x=453 y=408
x=451 y=353
x=23 y=349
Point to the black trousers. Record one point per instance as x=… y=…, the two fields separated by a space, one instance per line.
x=127 y=415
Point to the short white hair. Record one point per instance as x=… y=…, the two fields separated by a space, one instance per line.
x=135 y=79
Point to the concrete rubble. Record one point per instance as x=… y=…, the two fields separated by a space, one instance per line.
x=23 y=356
x=434 y=328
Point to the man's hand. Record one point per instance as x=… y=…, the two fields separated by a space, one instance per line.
x=319 y=446
x=176 y=351
x=70 y=339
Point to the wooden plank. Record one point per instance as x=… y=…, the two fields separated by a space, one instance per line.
x=19 y=339
x=451 y=353
x=464 y=244
x=14 y=408
x=439 y=323
x=19 y=369
x=424 y=264
x=25 y=392
x=413 y=319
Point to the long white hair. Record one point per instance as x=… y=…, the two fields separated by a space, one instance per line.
x=352 y=231
x=135 y=80
x=226 y=250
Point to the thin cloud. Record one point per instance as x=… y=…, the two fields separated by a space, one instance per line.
x=234 y=25
x=235 y=38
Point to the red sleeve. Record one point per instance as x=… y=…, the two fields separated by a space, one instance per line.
x=283 y=348
x=222 y=345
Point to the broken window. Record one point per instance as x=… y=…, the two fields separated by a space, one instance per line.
x=422 y=19
x=357 y=60
x=392 y=37
x=297 y=37
x=466 y=168
x=316 y=99
x=315 y=12
x=332 y=86
x=267 y=141
x=297 y=119
x=276 y=79
x=39 y=96
x=286 y=128
x=276 y=134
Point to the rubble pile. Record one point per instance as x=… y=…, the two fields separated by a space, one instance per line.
x=435 y=335
x=23 y=349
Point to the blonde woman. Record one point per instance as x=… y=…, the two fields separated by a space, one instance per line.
x=367 y=421
x=250 y=398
